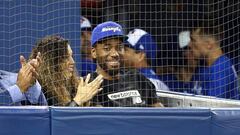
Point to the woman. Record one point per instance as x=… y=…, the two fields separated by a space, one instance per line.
x=57 y=74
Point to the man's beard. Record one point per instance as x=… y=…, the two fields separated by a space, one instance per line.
x=111 y=72
x=104 y=66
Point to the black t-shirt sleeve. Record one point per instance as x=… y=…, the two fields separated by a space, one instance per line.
x=148 y=90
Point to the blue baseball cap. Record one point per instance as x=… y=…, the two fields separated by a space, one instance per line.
x=106 y=30
x=85 y=24
x=140 y=40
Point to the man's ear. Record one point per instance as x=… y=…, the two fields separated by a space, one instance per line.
x=93 y=53
x=210 y=44
x=142 y=56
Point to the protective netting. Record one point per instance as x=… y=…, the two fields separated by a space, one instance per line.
x=178 y=52
x=192 y=46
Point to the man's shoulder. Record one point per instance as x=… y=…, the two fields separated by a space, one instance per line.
x=222 y=62
x=134 y=75
x=93 y=75
x=149 y=73
x=130 y=72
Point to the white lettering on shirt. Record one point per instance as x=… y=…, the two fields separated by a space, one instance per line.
x=134 y=94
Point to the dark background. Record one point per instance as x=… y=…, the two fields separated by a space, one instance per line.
x=164 y=19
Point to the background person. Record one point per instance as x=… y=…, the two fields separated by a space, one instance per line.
x=140 y=53
x=87 y=64
x=217 y=75
x=181 y=78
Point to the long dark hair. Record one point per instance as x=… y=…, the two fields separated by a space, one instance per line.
x=54 y=52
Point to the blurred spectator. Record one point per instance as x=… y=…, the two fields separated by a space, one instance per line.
x=120 y=87
x=22 y=88
x=206 y=70
x=140 y=53
x=57 y=74
x=217 y=76
x=181 y=77
x=87 y=65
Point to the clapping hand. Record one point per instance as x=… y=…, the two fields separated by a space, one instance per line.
x=28 y=73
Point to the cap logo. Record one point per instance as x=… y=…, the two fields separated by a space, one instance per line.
x=114 y=29
x=141 y=47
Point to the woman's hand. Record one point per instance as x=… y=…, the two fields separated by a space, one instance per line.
x=87 y=91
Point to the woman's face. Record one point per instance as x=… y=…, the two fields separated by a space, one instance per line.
x=69 y=64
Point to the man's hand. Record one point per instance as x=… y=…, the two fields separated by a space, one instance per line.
x=157 y=105
x=28 y=73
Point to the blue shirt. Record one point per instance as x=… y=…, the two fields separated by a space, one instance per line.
x=151 y=75
x=10 y=94
x=175 y=85
x=87 y=66
x=220 y=79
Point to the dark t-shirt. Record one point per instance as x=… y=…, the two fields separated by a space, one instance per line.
x=132 y=89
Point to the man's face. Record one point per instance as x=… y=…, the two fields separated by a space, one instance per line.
x=198 y=45
x=86 y=43
x=108 y=55
x=189 y=56
x=131 y=57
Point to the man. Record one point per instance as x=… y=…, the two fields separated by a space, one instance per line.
x=87 y=65
x=140 y=53
x=217 y=77
x=120 y=87
x=181 y=78
x=22 y=88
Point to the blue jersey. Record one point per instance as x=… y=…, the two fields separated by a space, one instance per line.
x=87 y=66
x=220 y=79
x=175 y=85
x=151 y=75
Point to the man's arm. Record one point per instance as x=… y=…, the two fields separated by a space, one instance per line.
x=150 y=90
x=26 y=87
x=223 y=82
x=27 y=78
x=35 y=95
x=9 y=92
x=6 y=98
x=157 y=105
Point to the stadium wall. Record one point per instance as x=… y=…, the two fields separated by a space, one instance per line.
x=118 y=121
x=23 y=22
